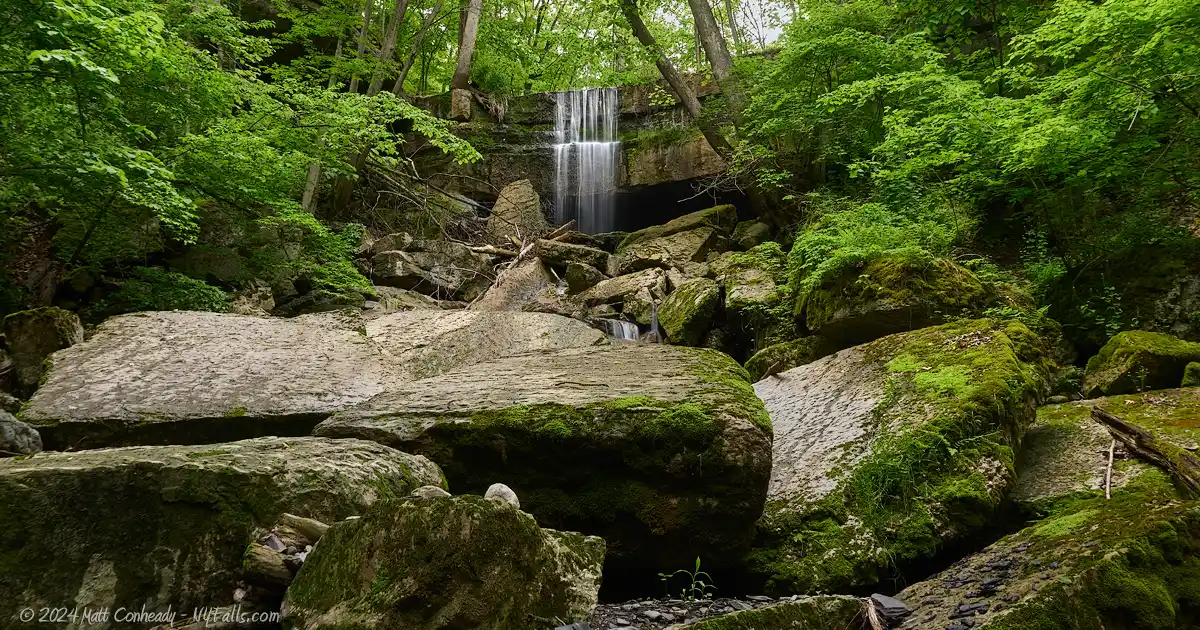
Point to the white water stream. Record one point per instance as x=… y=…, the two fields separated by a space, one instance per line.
x=586 y=155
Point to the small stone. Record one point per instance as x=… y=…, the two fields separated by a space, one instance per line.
x=430 y=492
x=652 y=615
x=17 y=438
x=890 y=607
x=759 y=598
x=740 y=605
x=501 y=492
x=1056 y=400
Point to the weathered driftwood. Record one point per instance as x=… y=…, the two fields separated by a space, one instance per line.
x=312 y=529
x=493 y=250
x=560 y=231
x=1177 y=461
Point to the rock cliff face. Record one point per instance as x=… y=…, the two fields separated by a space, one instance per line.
x=657 y=148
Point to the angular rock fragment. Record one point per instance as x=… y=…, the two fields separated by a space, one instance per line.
x=1136 y=360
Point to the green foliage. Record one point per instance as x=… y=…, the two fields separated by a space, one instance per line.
x=153 y=289
x=695 y=588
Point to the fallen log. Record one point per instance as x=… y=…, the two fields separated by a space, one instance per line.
x=492 y=250
x=560 y=231
x=1179 y=462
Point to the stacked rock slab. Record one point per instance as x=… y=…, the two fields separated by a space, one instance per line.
x=187 y=378
x=445 y=562
x=662 y=451
x=885 y=452
x=1089 y=562
x=167 y=525
x=36 y=334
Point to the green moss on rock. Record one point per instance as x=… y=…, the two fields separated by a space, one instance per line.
x=168 y=526
x=758 y=300
x=928 y=464
x=1090 y=563
x=688 y=311
x=1136 y=360
x=1191 y=375
x=461 y=562
x=662 y=450
x=889 y=293
x=787 y=355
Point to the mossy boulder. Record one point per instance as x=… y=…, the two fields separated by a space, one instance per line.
x=787 y=355
x=688 y=311
x=664 y=451
x=1089 y=563
x=33 y=336
x=617 y=289
x=672 y=250
x=166 y=526
x=1191 y=375
x=721 y=219
x=810 y=613
x=889 y=293
x=517 y=214
x=884 y=453
x=758 y=300
x=443 y=269
x=581 y=277
x=1137 y=360
x=445 y=562
x=190 y=377
x=749 y=234
x=562 y=254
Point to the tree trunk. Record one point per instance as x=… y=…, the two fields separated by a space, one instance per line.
x=312 y=183
x=678 y=85
x=389 y=46
x=731 y=15
x=362 y=40
x=709 y=33
x=466 y=45
x=1181 y=464
x=398 y=88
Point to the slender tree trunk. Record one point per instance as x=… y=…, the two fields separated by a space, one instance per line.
x=674 y=79
x=709 y=33
x=418 y=40
x=313 y=182
x=466 y=45
x=362 y=40
x=731 y=15
x=388 y=49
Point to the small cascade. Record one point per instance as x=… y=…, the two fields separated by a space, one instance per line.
x=586 y=155
x=619 y=329
x=655 y=335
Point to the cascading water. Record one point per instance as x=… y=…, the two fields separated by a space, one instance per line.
x=619 y=329
x=585 y=158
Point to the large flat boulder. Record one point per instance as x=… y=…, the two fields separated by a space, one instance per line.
x=517 y=214
x=517 y=288
x=663 y=451
x=1136 y=360
x=167 y=526
x=445 y=562
x=1091 y=562
x=189 y=377
x=618 y=289
x=885 y=452
x=673 y=250
x=428 y=343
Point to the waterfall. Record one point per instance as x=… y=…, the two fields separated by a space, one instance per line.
x=586 y=153
x=619 y=329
